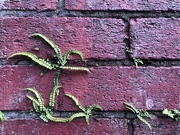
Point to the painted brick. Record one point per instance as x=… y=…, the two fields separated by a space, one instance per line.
x=155 y=38
x=148 y=87
x=95 y=38
x=132 y=5
x=29 y=4
x=76 y=127
x=159 y=127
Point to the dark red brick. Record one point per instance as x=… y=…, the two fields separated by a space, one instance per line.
x=76 y=127
x=29 y=4
x=149 y=88
x=95 y=38
x=159 y=127
x=155 y=38
x=135 y=5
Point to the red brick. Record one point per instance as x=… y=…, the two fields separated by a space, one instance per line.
x=135 y=5
x=148 y=87
x=29 y=4
x=95 y=38
x=155 y=38
x=76 y=127
x=159 y=126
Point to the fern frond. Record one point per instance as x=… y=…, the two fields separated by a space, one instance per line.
x=68 y=53
x=90 y=108
x=39 y=98
x=56 y=77
x=75 y=68
x=43 y=117
x=76 y=102
x=143 y=120
x=51 y=43
x=1 y=116
x=56 y=119
x=174 y=114
x=131 y=107
x=35 y=103
x=53 y=94
x=33 y=57
x=77 y=115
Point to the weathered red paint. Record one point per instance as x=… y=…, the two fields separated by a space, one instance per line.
x=132 y=5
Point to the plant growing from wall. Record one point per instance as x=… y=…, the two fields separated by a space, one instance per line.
x=174 y=114
x=57 y=63
x=140 y=113
x=1 y=116
x=135 y=60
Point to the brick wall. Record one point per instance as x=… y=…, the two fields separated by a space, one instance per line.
x=101 y=30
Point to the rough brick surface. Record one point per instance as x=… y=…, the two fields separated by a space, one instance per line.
x=132 y=5
x=95 y=38
x=76 y=127
x=148 y=88
x=155 y=38
x=29 y=4
x=159 y=127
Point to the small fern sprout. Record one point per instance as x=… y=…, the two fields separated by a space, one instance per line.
x=1 y=116
x=137 y=61
x=86 y=112
x=174 y=114
x=140 y=113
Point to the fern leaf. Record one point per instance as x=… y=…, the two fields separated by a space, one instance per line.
x=131 y=107
x=68 y=53
x=56 y=119
x=51 y=43
x=1 y=116
x=33 y=57
x=38 y=96
x=75 y=68
x=44 y=118
x=143 y=120
x=93 y=107
x=35 y=103
x=56 y=77
x=53 y=94
x=77 y=115
x=76 y=102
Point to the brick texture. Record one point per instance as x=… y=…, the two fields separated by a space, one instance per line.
x=132 y=5
x=155 y=38
x=148 y=88
x=34 y=127
x=96 y=38
x=29 y=4
x=159 y=126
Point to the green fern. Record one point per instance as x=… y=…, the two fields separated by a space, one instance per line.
x=86 y=112
x=174 y=114
x=140 y=113
x=68 y=53
x=51 y=43
x=40 y=61
x=1 y=116
x=39 y=102
x=75 y=68
x=137 y=61
x=54 y=93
